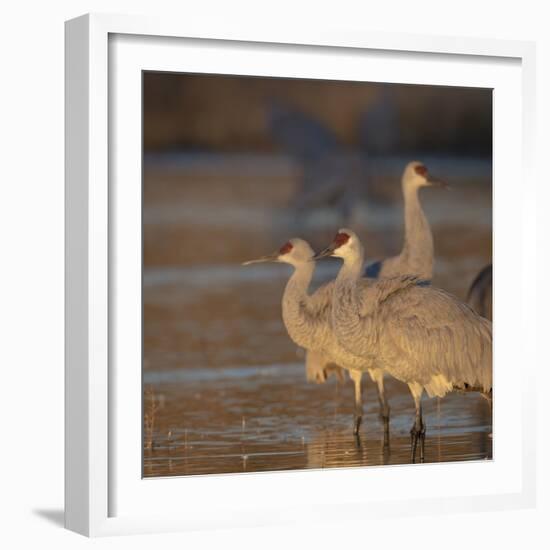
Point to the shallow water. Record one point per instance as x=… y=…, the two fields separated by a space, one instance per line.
x=268 y=418
x=224 y=387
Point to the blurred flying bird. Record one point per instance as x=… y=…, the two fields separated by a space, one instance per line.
x=331 y=175
x=378 y=126
x=301 y=135
x=418 y=334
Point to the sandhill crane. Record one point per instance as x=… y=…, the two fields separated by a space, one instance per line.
x=307 y=317
x=480 y=293
x=416 y=258
x=417 y=254
x=418 y=334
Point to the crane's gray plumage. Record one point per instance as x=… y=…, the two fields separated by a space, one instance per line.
x=417 y=254
x=480 y=293
x=418 y=334
x=307 y=317
x=413 y=331
x=416 y=258
x=308 y=320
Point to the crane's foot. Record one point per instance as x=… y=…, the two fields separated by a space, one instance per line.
x=386 y=453
x=386 y=421
x=357 y=423
x=385 y=418
x=422 y=444
x=418 y=435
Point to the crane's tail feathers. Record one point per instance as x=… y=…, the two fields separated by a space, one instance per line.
x=465 y=361
x=466 y=388
x=438 y=386
x=476 y=372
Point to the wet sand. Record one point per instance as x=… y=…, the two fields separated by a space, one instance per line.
x=224 y=387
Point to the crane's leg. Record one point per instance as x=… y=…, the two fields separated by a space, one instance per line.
x=356 y=375
x=418 y=430
x=377 y=375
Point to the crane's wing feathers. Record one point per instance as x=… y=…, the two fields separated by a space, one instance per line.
x=373 y=295
x=428 y=332
x=315 y=311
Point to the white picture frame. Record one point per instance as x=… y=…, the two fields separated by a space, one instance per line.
x=104 y=492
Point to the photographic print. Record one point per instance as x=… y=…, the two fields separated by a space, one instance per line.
x=317 y=274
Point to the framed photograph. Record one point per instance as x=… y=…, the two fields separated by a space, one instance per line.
x=285 y=259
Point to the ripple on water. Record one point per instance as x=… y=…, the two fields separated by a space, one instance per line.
x=256 y=423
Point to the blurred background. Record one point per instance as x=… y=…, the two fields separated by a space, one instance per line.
x=233 y=167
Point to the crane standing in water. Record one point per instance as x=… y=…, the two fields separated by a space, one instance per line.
x=418 y=334
x=416 y=258
x=307 y=317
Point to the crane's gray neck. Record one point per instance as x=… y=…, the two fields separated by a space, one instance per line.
x=349 y=310
x=346 y=299
x=296 y=300
x=351 y=321
x=417 y=253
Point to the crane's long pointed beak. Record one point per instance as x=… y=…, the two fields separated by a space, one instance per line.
x=269 y=258
x=324 y=253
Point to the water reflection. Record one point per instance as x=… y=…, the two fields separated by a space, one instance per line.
x=256 y=419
